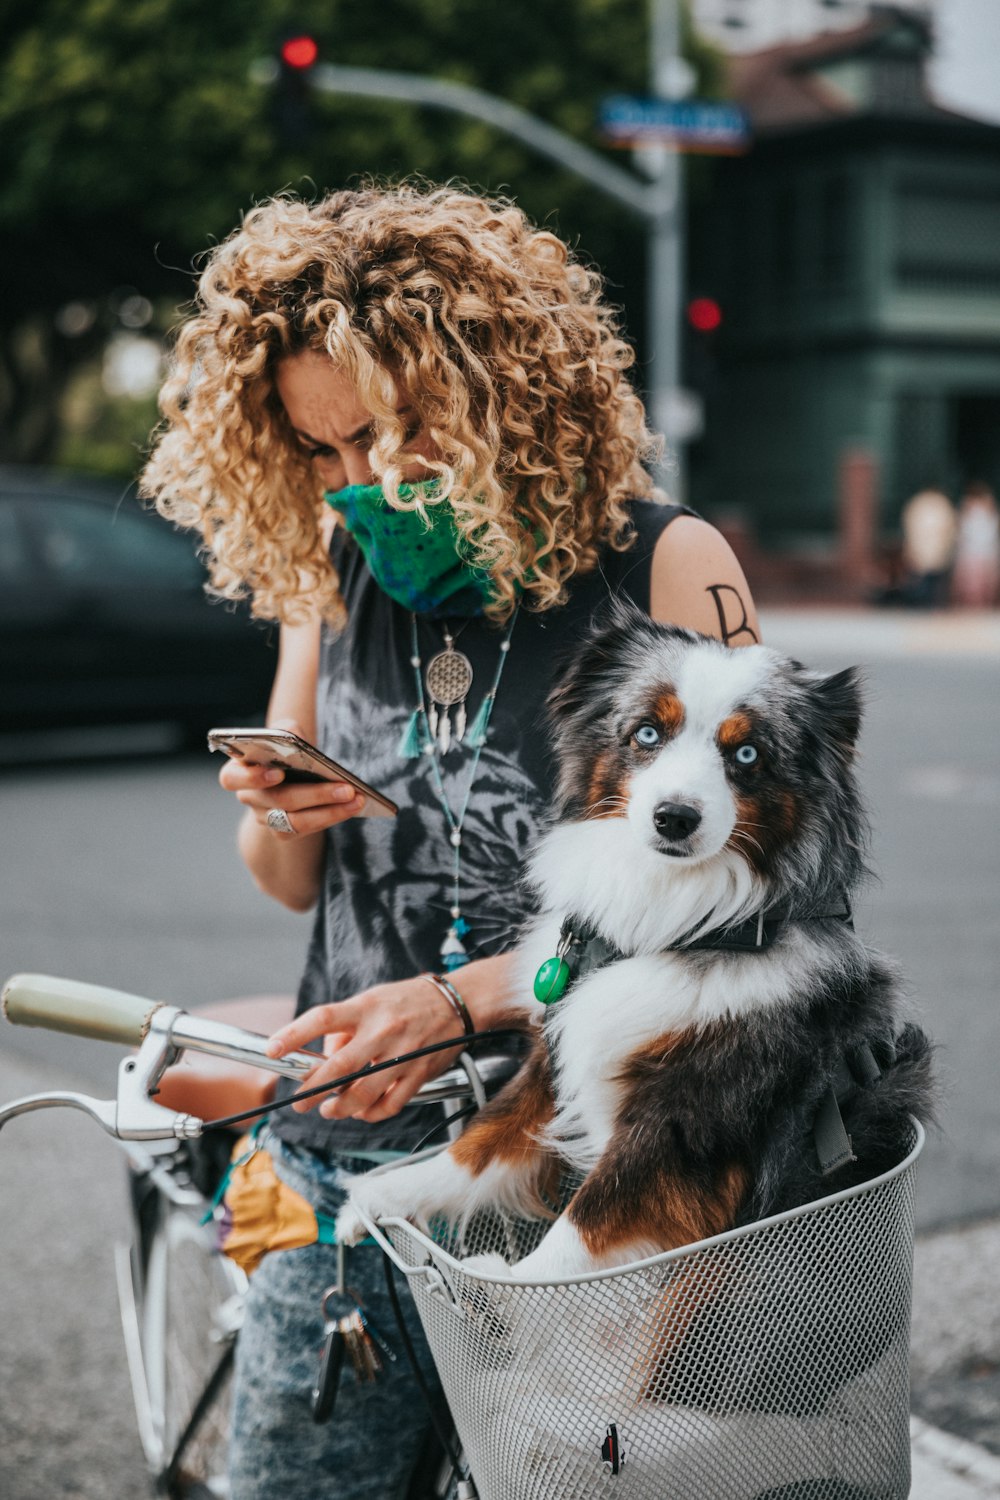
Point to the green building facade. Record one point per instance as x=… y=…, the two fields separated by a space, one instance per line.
x=855 y=252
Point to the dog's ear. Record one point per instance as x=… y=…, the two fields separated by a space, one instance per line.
x=840 y=701
x=619 y=612
x=591 y=667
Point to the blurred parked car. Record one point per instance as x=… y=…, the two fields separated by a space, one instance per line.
x=104 y=618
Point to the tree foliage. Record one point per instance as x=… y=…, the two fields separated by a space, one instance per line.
x=133 y=137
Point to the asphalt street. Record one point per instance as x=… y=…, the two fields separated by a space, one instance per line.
x=124 y=871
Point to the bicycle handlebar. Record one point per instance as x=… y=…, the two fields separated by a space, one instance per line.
x=105 y=1015
x=162 y=1031
x=88 y=1010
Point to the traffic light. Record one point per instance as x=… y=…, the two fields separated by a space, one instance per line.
x=703 y=319
x=297 y=55
x=704 y=314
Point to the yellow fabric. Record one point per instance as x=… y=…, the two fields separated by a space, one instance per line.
x=262 y=1212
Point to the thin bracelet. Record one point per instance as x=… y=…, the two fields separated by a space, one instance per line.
x=447 y=990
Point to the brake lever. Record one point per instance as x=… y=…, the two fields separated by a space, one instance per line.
x=104 y=1111
x=133 y=1115
x=137 y=1116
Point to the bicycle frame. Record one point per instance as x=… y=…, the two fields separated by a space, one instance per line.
x=179 y=1335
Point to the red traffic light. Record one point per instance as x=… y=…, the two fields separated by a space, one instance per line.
x=704 y=314
x=299 y=52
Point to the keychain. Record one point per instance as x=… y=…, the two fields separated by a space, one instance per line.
x=350 y=1334
x=331 y=1360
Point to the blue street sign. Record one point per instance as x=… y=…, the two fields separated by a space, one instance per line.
x=690 y=124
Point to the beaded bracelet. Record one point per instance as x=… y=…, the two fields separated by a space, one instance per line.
x=447 y=990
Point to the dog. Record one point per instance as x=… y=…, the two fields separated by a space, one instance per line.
x=727 y=1046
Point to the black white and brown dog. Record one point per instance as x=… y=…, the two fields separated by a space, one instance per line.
x=710 y=833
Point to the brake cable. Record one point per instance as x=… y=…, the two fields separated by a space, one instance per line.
x=445 y=1438
x=449 y=1120
x=504 y=1033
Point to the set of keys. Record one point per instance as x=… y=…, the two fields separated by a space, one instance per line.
x=349 y=1334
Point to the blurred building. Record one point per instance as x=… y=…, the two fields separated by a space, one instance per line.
x=855 y=255
x=745 y=25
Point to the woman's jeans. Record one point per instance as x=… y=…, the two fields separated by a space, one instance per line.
x=379 y=1433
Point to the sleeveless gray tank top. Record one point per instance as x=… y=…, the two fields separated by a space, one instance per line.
x=386 y=891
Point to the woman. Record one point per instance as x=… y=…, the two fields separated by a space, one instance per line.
x=450 y=380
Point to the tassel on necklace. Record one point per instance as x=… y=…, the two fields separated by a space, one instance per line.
x=411 y=744
x=430 y=732
x=476 y=733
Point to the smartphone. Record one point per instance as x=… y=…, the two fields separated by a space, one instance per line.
x=299 y=760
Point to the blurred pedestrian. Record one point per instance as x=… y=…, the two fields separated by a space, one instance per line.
x=976 y=574
x=401 y=420
x=929 y=528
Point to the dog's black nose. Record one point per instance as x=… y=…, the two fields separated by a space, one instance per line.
x=676 y=820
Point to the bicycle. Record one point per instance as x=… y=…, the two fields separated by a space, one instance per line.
x=767 y=1363
x=181 y=1300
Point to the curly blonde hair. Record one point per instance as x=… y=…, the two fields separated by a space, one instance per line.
x=501 y=339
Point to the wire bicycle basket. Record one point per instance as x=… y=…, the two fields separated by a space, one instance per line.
x=770 y=1361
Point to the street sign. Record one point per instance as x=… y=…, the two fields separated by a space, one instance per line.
x=687 y=124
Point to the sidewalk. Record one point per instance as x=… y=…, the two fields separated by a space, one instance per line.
x=947 y=1468
x=955 y=1362
x=870 y=634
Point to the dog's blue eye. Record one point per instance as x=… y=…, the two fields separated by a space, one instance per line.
x=647 y=735
x=745 y=755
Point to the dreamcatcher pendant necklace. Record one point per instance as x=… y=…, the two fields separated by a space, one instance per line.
x=448 y=679
x=446 y=684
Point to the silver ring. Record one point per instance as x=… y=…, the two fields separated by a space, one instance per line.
x=278 y=820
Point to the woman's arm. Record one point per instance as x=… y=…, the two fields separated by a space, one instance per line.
x=287 y=865
x=697 y=582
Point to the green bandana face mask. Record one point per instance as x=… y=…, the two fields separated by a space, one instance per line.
x=419 y=566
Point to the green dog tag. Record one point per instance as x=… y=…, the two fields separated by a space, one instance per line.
x=551 y=980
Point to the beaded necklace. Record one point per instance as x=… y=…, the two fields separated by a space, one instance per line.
x=420 y=739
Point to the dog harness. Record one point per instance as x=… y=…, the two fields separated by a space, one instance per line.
x=582 y=950
x=855 y=1068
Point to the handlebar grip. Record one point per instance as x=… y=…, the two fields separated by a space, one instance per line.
x=81 y=1009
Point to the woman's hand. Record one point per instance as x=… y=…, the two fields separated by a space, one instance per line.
x=384 y=1022
x=310 y=806
x=378 y=1023
x=286 y=861
x=288 y=866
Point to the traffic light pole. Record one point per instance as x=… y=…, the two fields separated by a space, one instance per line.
x=657 y=202
x=439 y=93
x=665 y=269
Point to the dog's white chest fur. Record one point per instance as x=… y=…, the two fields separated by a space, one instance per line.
x=595 y=872
x=603 y=873
x=615 y=1012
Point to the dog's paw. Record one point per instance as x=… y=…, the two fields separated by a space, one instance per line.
x=492 y=1266
x=350 y=1228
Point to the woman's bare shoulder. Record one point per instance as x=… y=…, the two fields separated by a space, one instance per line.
x=697 y=582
